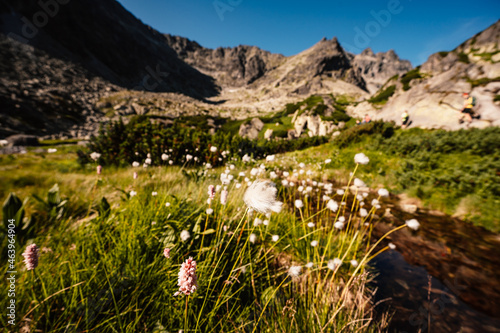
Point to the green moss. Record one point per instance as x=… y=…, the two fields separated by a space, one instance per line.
x=496 y=98
x=443 y=53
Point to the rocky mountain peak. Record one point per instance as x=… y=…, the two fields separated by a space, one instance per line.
x=376 y=69
x=368 y=52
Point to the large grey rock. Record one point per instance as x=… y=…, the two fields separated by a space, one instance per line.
x=252 y=129
x=22 y=140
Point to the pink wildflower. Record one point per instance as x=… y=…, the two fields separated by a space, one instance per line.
x=31 y=256
x=211 y=191
x=187 y=278
x=166 y=253
x=223 y=197
x=99 y=169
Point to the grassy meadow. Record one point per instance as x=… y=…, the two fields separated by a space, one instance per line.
x=112 y=244
x=102 y=266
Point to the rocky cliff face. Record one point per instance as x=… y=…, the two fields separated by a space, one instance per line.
x=57 y=59
x=233 y=67
x=376 y=69
x=256 y=79
x=434 y=96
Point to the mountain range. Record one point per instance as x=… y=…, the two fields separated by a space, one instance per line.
x=67 y=66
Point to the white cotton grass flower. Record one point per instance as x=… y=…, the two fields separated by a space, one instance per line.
x=257 y=222
x=252 y=238
x=338 y=225
x=314 y=243
x=286 y=173
x=413 y=224
x=294 y=271
x=275 y=238
x=164 y=157
x=363 y=212
x=246 y=158
x=209 y=211
x=265 y=222
x=326 y=198
x=310 y=264
x=361 y=158
x=213 y=149
x=154 y=193
x=341 y=219
x=95 y=156
x=359 y=183
x=392 y=246
x=310 y=225
x=185 y=235
x=332 y=205
x=333 y=264
x=133 y=193
x=261 y=196
x=135 y=164
x=340 y=192
x=299 y=204
x=328 y=160
x=354 y=263
x=383 y=192
x=167 y=204
x=270 y=158
x=51 y=150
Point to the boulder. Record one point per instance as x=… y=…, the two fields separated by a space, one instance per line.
x=252 y=129
x=22 y=140
x=268 y=134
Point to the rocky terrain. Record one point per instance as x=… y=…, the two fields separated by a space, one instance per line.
x=89 y=63
x=53 y=71
x=432 y=94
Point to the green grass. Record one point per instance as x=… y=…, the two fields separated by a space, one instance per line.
x=103 y=269
x=383 y=96
x=482 y=81
x=409 y=76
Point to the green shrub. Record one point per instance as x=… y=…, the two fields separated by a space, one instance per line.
x=358 y=133
x=462 y=57
x=383 y=96
x=121 y=144
x=411 y=75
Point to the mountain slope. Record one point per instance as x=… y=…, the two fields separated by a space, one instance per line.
x=253 y=79
x=433 y=93
x=54 y=71
x=233 y=67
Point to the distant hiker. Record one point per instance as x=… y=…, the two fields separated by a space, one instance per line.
x=358 y=122
x=467 y=112
x=405 y=119
x=367 y=119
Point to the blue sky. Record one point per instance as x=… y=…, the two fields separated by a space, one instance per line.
x=413 y=28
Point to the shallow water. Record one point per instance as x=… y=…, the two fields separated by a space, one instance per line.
x=464 y=262
x=403 y=289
